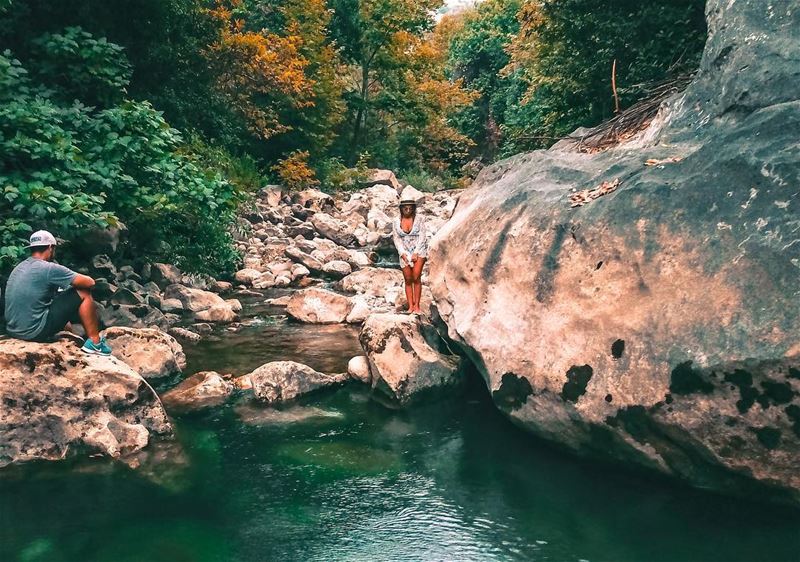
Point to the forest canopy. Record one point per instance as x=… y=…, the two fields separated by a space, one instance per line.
x=153 y=113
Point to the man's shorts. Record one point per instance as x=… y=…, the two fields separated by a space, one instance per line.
x=63 y=309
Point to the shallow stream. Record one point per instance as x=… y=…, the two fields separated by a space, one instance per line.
x=339 y=476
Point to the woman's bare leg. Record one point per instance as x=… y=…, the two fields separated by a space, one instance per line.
x=416 y=273
x=408 y=276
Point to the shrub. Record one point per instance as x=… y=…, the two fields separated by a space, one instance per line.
x=294 y=171
x=69 y=168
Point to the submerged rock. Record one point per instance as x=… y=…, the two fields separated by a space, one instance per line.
x=318 y=306
x=59 y=402
x=656 y=324
x=402 y=363
x=280 y=381
x=201 y=390
x=150 y=352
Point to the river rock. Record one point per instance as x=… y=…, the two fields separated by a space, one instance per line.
x=313 y=199
x=133 y=316
x=359 y=312
x=318 y=306
x=201 y=390
x=163 y=274
x=222 y=313
x=59 y=402
x=150 y=352
x=171 y=305
x=184 y=334
x=280 y=381
x=125 y=296
x=247 y=276
x=195 y=300
x=655 y=324
x=372 y=281
x=337 y=268
x=334 y=229
x=301 y=257
x=383 y=177
x=358 y=369
x=404 y=365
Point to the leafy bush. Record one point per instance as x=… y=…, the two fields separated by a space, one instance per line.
x=82 y=67
x=294 y=171
x=69 y=167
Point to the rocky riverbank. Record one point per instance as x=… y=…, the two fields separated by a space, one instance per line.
x=332 y=256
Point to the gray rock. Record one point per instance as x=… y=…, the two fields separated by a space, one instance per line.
x=150 y=352
x=184 y=334
x=125 y=296
x=59 y=402
x=403 y=364
x=334 y=229
x=337 y=268
x=303 y=258
x=201 y=390
x=194 y=300
x=163 y=274
x=318 y=306
x=280 y=381
x=657 y=324
x=358 y=369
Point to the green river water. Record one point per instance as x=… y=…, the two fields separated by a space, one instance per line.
x=339 y=476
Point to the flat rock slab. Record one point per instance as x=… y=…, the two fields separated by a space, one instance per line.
x=58 y=402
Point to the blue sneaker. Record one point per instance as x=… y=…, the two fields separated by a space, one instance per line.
x=101 y=348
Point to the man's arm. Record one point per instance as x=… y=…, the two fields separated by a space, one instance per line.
x=82 y=281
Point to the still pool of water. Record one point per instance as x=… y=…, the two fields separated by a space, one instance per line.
x=338 y=476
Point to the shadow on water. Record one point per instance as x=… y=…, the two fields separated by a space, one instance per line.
x=337 y=476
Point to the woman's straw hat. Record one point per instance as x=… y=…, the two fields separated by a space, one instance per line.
x=409 y=196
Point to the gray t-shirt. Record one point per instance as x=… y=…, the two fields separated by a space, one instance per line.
x=29 y=291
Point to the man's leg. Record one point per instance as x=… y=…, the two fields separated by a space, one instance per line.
x=87 y=311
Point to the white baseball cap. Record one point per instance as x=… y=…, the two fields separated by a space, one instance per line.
x=42 y=238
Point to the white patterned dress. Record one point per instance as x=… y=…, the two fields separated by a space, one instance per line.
x=413 y=242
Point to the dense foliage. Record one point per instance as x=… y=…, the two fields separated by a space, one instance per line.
x=158 y=114
x=70 y=167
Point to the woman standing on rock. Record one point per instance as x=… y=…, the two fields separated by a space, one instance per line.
x=410 y=239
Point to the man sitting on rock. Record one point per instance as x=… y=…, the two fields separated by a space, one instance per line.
x=42 y=298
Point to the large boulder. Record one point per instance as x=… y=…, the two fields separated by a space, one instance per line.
x=58 y=402
x=280 y=381
x=201 y=390
x=382 y=177
x=655 y=322
x=318 y=306
x=406 y=361
x=150 y=352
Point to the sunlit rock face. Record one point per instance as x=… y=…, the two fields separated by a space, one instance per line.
x=58 y=402
x=656 y=324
